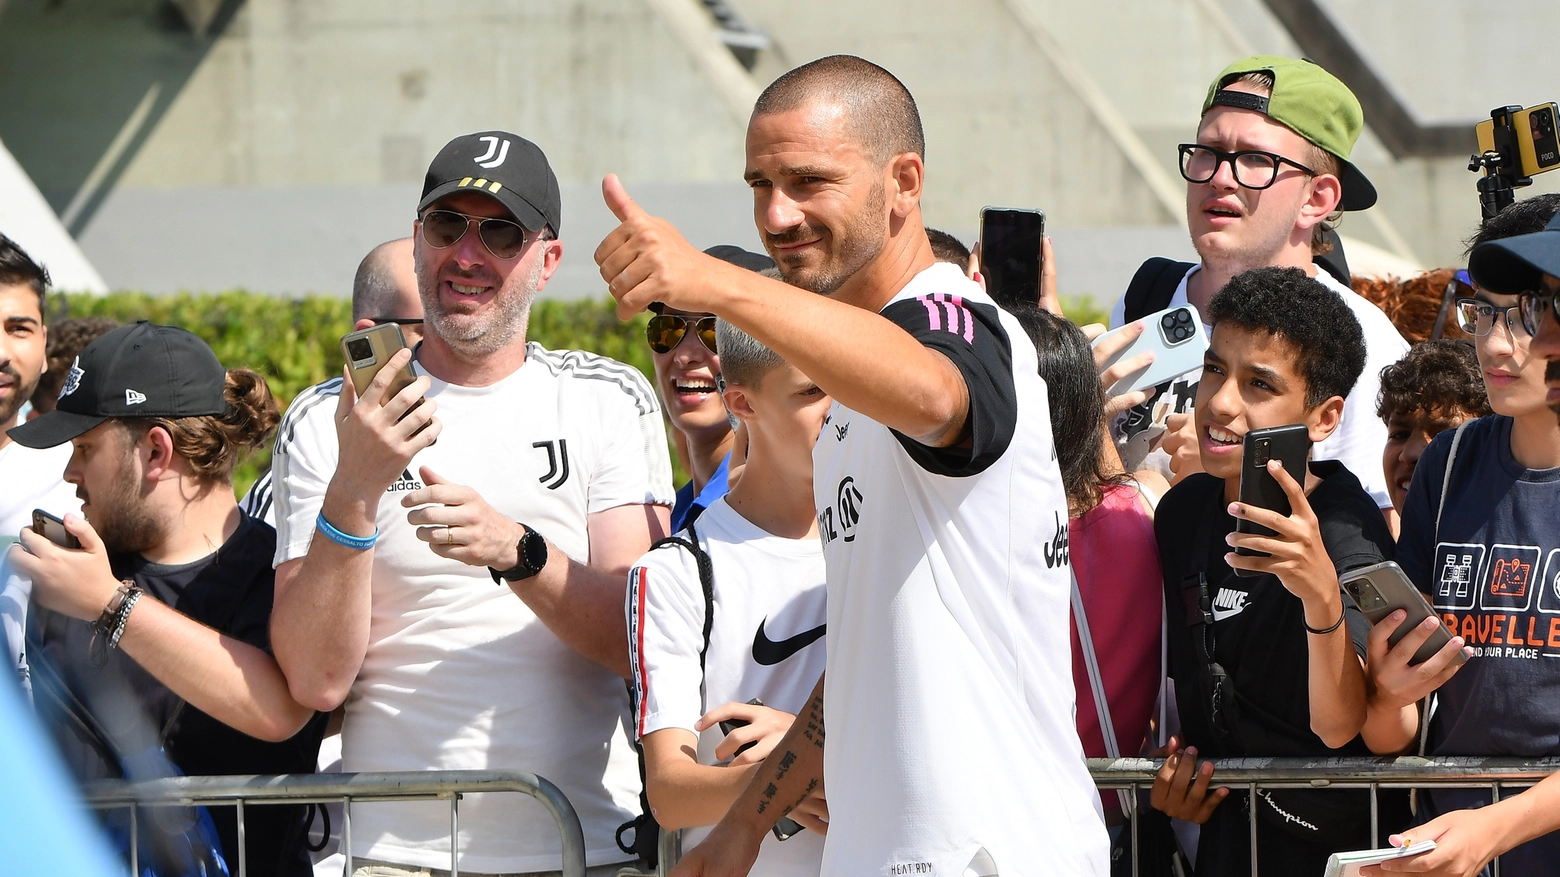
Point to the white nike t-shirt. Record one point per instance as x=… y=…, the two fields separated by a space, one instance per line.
x=1359 y=438
x=949 y=698
x=765 y=642
x=460 y=674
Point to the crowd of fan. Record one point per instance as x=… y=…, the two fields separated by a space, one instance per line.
x=1002 y=567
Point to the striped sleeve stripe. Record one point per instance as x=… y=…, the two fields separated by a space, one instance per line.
x=300 y=406
x=594 y=367
x=637 y=583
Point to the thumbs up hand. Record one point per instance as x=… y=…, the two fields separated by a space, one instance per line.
x=646 y=260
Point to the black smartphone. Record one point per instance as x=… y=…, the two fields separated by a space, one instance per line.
x=1010 y=254
x=1381 y=589
x=53 y=529
x=1291 y=446
x=787 y=826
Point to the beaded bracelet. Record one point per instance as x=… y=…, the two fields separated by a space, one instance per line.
x=346 y=540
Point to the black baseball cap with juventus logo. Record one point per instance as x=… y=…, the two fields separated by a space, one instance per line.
x=140 y=370
x=507 y=168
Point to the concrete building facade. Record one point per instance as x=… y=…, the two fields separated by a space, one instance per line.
x=267 y=144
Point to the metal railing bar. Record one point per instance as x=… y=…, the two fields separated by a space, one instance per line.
x=455 y=835
x=1251 y=820
x=1323 y=772
x=135 y=845
x=243 y=858
x=346 y=832
x=1136 y=821
x=1375 y=815
x=390 y=785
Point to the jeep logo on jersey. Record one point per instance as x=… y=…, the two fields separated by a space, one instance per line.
x=557 y=463
x=1057 y=552
x=405 y=484
x=497 y=151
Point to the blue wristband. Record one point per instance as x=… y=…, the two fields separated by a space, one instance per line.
x=345 y=540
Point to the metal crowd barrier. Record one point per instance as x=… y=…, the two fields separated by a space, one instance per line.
x=343 y=788
x=1252 y=774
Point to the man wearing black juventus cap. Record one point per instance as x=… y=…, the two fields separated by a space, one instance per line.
x=399 y=559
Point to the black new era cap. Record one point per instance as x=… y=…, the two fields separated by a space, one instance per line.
x=142 y=370
x=510 y=169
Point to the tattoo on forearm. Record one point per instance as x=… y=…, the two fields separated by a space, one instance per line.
x=813 y=730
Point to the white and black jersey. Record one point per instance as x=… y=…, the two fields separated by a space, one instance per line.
x=949 y=700
x=459 y=672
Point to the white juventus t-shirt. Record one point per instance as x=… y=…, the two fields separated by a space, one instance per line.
x=459 y=673
x=765 y=642
x=1359 y=438
x=949 y=701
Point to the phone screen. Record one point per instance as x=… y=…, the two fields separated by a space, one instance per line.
x=1010 y=254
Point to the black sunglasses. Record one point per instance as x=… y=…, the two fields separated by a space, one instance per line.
x=504 y=238
x=1253 y=168
x=1533 y=305
x=666 y=331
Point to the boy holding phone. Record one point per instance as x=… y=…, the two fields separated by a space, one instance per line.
x=701 y=656
x=1269 y=662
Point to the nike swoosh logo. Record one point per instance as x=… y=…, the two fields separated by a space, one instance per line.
x=1221 y=614
x=769 y=653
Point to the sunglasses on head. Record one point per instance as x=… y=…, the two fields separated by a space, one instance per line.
x=504 y=238
x=666 y=331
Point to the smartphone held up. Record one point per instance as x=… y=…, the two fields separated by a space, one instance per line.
x=1010 y=239
x=369 y=350
x=1291 y=446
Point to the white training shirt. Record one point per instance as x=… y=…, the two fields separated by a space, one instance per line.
x=1360 y=435
x=34 y=479
x=769 y=617
x=949 y=698
x=459 y=673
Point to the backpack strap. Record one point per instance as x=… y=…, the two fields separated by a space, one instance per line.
x=1152 y=287
x=701 y=559
x=1091 y=663
x=1427 y=707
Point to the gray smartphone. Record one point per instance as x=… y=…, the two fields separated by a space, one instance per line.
x=53 y=529
x=1176 y=339
x=1381 y=589
x=1291 y=446
x=367 y=351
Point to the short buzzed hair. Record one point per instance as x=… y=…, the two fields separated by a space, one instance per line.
x=879 y=109
x=374 y=286
x=743 y=360
x=947 y=248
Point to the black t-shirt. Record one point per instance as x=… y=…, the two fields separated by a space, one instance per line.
x=230 y=591
x=1260 y=641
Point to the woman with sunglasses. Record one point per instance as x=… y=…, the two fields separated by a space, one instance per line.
x=687 y=374
x=1480 y=540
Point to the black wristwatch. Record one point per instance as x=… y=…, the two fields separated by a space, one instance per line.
x=532 y=551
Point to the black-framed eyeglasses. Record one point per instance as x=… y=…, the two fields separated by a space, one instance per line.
x=1533 y=305
x=504 y=238
x=1253 y=168
x=666 y=331
x=1478 y=317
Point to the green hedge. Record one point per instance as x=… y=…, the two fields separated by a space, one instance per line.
x=295 y=343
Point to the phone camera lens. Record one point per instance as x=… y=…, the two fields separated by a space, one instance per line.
x=359 y=350
x=1167 y=321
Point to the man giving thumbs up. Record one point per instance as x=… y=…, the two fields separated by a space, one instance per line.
x=949 y=684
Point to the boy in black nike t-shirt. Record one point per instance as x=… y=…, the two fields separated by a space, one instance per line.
x=1279 y=652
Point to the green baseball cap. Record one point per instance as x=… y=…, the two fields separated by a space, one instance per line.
x=1309 y=101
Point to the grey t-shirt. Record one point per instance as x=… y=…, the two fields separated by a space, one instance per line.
x=1493 y=575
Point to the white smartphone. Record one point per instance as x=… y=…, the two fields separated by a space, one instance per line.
x=1349 y=864
x=1175 y=337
